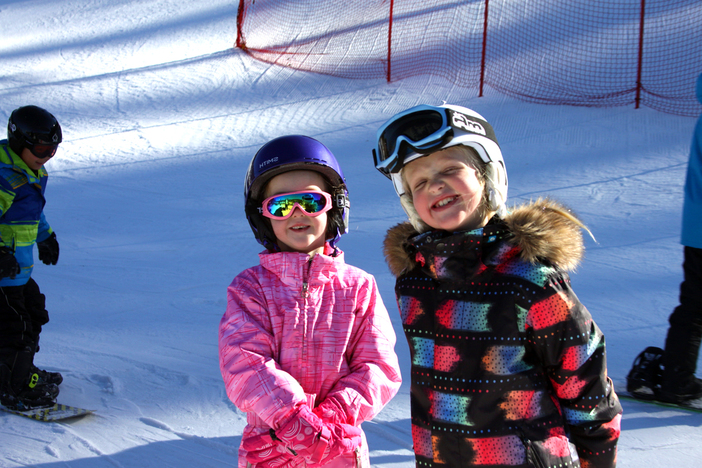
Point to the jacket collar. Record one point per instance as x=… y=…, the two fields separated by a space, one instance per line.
x=12 y=160
x=458 y=255
x=294 y=268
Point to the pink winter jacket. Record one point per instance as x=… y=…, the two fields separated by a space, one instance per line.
x=298 y=331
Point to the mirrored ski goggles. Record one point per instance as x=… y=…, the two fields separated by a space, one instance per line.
x=282 y=206
x=42 y=150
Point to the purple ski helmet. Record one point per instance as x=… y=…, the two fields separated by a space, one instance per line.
x=290 y=153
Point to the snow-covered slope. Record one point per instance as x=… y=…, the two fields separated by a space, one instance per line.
x=161 y=117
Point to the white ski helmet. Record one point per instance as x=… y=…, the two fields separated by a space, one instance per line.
x=425 y=129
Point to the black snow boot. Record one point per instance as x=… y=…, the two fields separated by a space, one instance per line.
x=682 y=344
x=39 y=396
x=21 y=389
x=679 y=386
x=47 y=377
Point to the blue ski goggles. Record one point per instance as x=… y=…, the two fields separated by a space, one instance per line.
x=422 y=130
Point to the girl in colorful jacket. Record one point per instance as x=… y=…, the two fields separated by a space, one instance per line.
x=508 y=367
x=306 y=345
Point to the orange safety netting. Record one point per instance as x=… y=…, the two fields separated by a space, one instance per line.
x=576 y=52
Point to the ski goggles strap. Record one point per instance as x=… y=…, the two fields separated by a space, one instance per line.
x=282 y=206
x=422 y=130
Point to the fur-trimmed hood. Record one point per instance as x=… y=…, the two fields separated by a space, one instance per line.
x=544 y=231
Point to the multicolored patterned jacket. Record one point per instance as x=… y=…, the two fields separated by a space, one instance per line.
x=504 y=355
x=22 y=221
x=314 y=332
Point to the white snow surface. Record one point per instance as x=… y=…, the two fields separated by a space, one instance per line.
x=161 y=116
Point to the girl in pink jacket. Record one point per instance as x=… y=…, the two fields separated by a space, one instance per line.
x=306 y=345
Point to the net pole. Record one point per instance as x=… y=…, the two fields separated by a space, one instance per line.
x=640 y=58
x=484 y=51
x=389 y=72
x=240 y=41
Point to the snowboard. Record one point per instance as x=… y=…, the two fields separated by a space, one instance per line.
x=693 y=405
x=57 y=412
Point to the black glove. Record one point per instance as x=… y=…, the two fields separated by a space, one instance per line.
x=8 y=264
x=49 y=250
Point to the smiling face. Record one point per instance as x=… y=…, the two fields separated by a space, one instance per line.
x=446 y=189
x=299 y=232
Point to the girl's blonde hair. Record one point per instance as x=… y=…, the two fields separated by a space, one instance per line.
x=471 y=157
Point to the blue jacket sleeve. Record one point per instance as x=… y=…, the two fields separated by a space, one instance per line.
x=44 y=230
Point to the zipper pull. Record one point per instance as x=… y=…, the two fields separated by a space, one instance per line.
x=305 y=287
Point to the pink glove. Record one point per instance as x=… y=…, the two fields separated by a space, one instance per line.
x=331 y=412
x=318 y=442
x=345 y=438
x=262 y=451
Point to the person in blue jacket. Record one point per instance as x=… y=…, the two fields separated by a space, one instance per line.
x=33 y=138
x=675 y=382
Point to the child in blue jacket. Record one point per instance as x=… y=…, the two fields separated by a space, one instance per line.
x=33 y=137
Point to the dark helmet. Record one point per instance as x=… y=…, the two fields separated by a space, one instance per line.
x=32 y=125
x=290 y=153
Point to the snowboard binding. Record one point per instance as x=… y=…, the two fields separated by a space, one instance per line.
x=646 y=374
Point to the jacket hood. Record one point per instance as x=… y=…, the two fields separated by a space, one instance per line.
x=544 y=231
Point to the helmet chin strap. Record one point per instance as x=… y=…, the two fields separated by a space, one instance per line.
x=332 y=243
x=495 y=197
